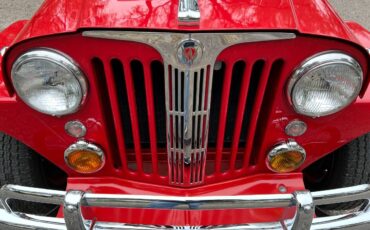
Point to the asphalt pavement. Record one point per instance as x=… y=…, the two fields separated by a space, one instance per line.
x=12 y=10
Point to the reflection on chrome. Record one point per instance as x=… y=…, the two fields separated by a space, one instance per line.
x=2 y=51
x=303 y=201
x=189 y=12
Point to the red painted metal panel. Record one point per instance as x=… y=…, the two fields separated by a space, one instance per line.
x=255 y=114
x=223 y=115
x=7 y=37
x=130 y=89
x=151 y=115
x=240 y=114
x=362 y=34
x=116 y=114
x=310 y=17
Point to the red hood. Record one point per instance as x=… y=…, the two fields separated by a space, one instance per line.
x=304 y=16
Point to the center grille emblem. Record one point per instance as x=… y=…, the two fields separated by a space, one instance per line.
x=189 y=52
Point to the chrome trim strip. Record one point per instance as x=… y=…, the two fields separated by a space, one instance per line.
x=304 y=201
x=45 y=196
x=305 y=210
x=213 y=43
x=188 y=114
x=189 y=203
x=193 y=54
x=72 y=210
x=188 y=13
x=359 y=192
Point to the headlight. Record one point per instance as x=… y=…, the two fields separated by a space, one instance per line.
x=49 y=82
x=325 y=84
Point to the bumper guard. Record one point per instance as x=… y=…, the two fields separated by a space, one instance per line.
x=304 y=201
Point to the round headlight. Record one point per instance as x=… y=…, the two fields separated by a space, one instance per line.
x=325 y=84
x=49 y=82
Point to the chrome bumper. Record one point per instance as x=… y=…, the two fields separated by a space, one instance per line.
x=304 y=201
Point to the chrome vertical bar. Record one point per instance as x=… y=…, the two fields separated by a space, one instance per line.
x=208 y=95
x=188 y=115
x=179 y=106
x=305 y=211
x=168 y=118
x=202 y=107
x=174 y=163
x=197 y=112
x=174 y=133
x=72 y=210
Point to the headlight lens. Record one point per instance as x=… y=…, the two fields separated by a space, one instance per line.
x=49 y=82
x=325 y=84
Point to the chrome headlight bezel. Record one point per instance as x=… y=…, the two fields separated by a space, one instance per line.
x=57 y=58
x=318 y=61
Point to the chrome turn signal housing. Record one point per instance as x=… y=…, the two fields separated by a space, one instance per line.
x=84 y=157
x=286 y=157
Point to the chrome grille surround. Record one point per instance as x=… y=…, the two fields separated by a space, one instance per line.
x=187 y=119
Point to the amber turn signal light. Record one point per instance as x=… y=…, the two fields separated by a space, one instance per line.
x=84 y=157
x=286 y=157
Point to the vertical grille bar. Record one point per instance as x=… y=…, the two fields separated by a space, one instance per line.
x=195 y=108
x=204 y=124
x=240 y=114
x=186 y=110
x=203 y=107
x=223 y=115
x=187 y=138
x=208 y=81
x=133 y=114
x=255 y=112
x=169 y=119
x=151 y=116
x=116 y=115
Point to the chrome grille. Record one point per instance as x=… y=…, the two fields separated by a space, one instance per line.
x=188 y=88
x=187 y=95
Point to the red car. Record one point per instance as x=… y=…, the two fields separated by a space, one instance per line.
x=185 y=114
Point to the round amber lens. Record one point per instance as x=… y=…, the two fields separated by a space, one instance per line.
x=286 y=161
x=84 y=161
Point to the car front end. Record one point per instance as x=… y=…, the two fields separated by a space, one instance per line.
x=186 y=115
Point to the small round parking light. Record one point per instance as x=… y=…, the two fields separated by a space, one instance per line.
x=296 y=128
x=84 y=157
x=75 y=129
x=286 y=157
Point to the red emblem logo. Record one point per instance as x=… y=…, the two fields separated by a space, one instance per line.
x=189 y=52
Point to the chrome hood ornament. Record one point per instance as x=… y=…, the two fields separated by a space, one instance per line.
x=189 y=13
